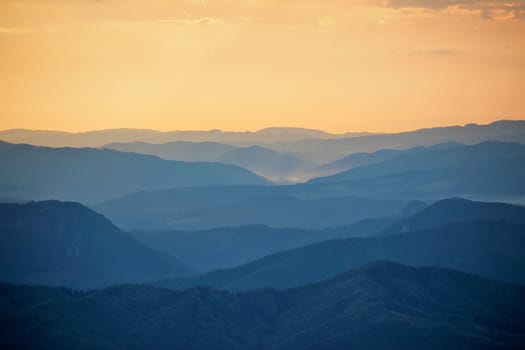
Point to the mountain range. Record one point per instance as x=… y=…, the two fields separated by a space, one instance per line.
x=282 y=238
x=356 y=160
x=490 y=244
x=66 y=244
x=319 y=146
x=90 y=175
x=273 y=165
x=380 y=306
x=98 y=138
x=206 y=208
x=226 y=247
x=489 y=171
x=329 y=150
x=457 y=210
x=281 y=164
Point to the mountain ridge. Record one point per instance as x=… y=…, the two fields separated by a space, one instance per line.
x=67 y=244
x=93 y=175
x=501 y=128
x=484 y=244
x=376 y=306
x=454 y=210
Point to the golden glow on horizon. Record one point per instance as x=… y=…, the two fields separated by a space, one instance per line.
x=335 y=65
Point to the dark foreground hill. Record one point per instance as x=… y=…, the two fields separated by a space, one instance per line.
x=67 y=244
x=381 y=306
x=493 y=249
x=90 y=175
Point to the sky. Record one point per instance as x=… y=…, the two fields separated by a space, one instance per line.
x=335 y=65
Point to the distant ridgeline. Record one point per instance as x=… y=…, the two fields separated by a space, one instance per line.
x=488 y=171
x=90 y=175
x=423 y=164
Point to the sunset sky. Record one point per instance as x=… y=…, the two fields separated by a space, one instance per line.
x=335 y=65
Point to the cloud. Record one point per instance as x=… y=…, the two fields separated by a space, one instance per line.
x=487 y=9
x=193 y=21
x=431 y=4
x=441 y=4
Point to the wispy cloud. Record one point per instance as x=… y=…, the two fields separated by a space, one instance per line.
x=192 y=21
x=504 y=9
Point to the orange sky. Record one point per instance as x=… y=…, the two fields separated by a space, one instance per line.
x=243 y=65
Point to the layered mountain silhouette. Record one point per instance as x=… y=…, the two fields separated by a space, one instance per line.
x=263 y=161
x=383 y=246
x=176 y=150
x=319 y=146
x=277 y=166
x=356 y=160
x=289 y=166
x=486 y=169
x=490 y=170
x=380 y=306
x=99 y=138
x=226 y=247
x=90 y=175
x=66 y=244
x=205 y=208
x=491 y=245
x=328 y=150
x=456 y=210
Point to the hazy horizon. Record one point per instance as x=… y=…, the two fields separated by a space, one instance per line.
x=243 y=65
x=333 y=132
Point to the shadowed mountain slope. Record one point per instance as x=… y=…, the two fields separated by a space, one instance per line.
x=205 y=208
x=489 y=246
x=356 y=160
x=329 y=150
x=376 y=307
x=263 y=161
x=91 y=175
x=485 y=169
x=227 y=247
x=177 y=150
x=491 y=171
x=455 y=210
x=67 y=244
